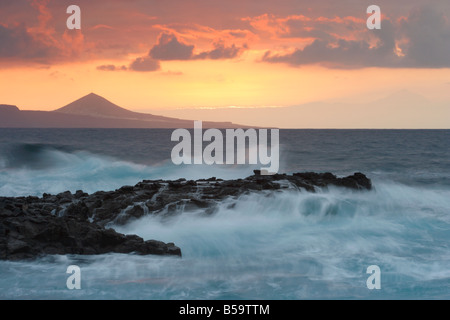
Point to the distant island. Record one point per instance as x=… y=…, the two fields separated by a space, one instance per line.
x=94 y=111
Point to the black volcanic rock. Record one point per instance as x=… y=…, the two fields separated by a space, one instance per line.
x=77 y=223
x=31 y=227
x=28 y=236
x=357 y=181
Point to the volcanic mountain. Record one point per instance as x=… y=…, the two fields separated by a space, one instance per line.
x=97 y=106
x=94 y=111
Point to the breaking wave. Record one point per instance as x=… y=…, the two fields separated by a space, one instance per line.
x=271 y=245
x=267 y=245
x=34 y=169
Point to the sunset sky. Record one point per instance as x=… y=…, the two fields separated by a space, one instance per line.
x=147 y=55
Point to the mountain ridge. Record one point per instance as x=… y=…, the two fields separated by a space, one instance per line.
x=94 y=111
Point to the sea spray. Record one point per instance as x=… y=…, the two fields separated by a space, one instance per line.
x=283 y=245
x=55 y=170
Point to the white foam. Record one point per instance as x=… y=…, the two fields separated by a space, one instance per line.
x=90 y=173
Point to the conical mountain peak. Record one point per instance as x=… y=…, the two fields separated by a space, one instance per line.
x=95 y=105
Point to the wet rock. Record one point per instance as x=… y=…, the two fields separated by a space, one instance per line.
x=80 y=194
x=31 y=237
x=76 y=223
x=77 y=211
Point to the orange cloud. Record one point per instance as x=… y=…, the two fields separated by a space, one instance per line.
x=44 y=17
x=218 y=31
x=204 y=35
x=404 y=43
x=102 y=26
x=41 y=43
x=301 y=26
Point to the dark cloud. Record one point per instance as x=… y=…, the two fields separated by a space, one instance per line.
x=111 y=67
x=17 y=42
x=141 y=64
x=170 y=48
x=428 y=31
x=335 y=29
x=238 y=34
x=221 y=52
x=341 y=53
x=321 y=28
x=145 y=64
x=421 y=40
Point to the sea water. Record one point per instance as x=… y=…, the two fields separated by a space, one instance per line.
x=287 y=244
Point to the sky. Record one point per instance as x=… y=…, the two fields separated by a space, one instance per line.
x=165 y=55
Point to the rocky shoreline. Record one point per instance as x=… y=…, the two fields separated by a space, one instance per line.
x=80 y=223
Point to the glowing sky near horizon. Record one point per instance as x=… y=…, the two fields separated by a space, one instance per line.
x=147 y=55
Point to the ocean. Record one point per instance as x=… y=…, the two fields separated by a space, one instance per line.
x=286 y=245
